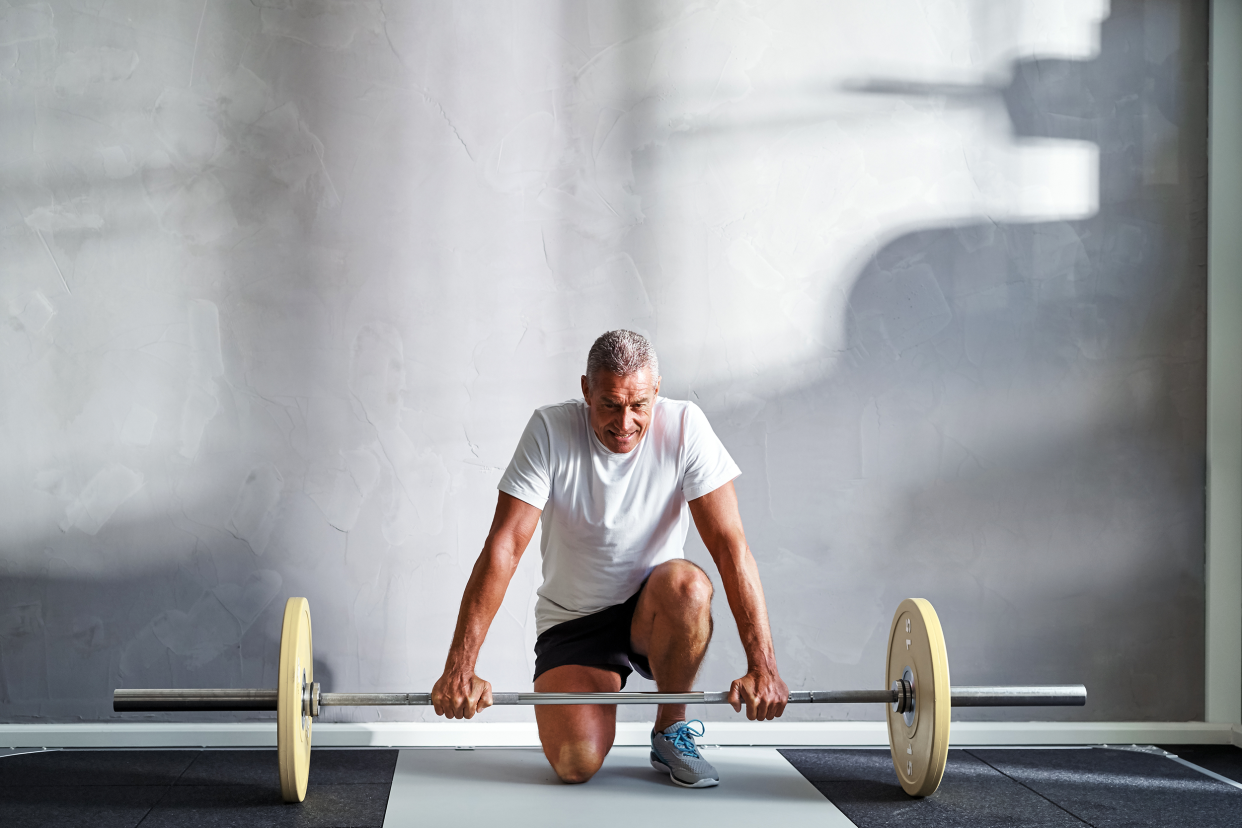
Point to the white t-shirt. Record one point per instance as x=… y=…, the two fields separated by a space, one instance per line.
x=609 y=519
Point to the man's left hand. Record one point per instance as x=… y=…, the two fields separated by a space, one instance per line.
x=763 y=693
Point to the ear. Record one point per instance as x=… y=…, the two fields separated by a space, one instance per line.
x=586 y=390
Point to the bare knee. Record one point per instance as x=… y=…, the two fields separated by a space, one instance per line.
x=687 y=584
x=576 y=762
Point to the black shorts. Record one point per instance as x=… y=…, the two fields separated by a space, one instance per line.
x=601 y=639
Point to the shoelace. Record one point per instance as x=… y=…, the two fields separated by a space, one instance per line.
x=683 y=738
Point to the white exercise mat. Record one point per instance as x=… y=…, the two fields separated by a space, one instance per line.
x=516 y=787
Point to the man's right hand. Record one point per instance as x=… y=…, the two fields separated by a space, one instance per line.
x=460 y=694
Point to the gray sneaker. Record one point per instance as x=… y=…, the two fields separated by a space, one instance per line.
x=675 y=753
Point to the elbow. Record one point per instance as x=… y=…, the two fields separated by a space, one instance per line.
x=499 y=557
x=732 y=554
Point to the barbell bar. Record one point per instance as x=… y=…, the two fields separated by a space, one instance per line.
x=185 y=701
x=918 y=698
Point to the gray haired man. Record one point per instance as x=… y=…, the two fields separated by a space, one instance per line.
x=617 y=477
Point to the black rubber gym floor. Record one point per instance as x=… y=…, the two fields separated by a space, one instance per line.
x=190 y=789
x=1102 y=787
x=982 y=788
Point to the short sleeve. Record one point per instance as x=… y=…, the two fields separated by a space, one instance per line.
x=529 y=476
x=708 y=464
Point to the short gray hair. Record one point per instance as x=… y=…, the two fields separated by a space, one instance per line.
x=622 y=353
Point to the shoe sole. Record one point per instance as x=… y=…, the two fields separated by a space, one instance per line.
x=702 y=783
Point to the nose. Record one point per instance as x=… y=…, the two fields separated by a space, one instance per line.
x=628 y=421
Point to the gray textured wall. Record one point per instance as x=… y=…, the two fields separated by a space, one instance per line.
x=282 y=280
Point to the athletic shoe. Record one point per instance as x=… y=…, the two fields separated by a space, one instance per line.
x=674 y=752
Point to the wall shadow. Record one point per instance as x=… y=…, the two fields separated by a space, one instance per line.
x=1020 y=411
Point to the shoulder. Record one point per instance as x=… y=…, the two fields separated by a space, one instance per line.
x=683 y=413
x=561 y=420
x=562 y=412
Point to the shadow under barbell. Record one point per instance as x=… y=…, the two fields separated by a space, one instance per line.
x=127 y=701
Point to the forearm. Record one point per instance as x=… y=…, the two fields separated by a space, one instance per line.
x=484 y=593
x=744 y=591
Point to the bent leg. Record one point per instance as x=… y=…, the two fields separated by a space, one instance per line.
x=672 y=626
x=577 y=737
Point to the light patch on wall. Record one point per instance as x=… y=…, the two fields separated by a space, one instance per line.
x=107 y=490
x=1057 y=28
x=1048 y=180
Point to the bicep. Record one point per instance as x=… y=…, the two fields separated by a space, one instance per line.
x=513 y=524
x=718 y=520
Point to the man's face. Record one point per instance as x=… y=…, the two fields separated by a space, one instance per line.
x=620 y=407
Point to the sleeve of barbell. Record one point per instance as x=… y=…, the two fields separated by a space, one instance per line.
x=192 y=700
x=1067 y=695
x=844 y=697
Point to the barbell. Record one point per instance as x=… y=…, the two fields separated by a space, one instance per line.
x=918 y=699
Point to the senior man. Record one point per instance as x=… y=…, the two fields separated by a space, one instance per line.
x=616 y=477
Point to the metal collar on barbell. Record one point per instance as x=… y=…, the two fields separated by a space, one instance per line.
x=903 y=695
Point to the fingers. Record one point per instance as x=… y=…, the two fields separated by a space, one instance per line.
x=770 y=706
x=743 y=691
x=765 y=697
x=435 y=700
x=485 y=701
x=480 y=697
x=461 y=698
x=774 y=697
x=768 y=701
x=782 y=701
x=752 y=701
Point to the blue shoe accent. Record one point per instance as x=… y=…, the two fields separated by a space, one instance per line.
x=674 y=752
